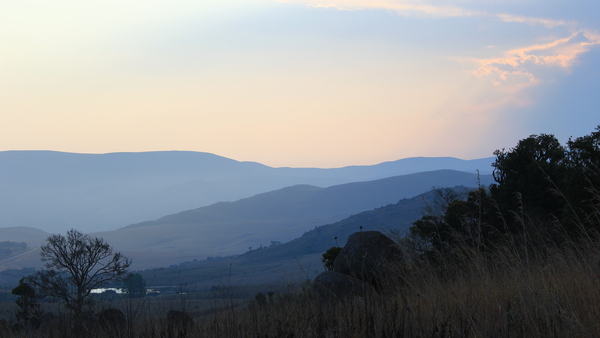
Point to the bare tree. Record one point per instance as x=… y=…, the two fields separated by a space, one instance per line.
x=75 y=265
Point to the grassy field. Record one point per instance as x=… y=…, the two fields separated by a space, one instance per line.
x=543 y=294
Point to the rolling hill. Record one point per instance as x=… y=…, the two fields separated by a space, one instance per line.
x=55 y=191
x=291 y=262
x=294 y=215
x=229 y=228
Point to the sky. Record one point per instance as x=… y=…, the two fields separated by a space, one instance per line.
x=304 y=83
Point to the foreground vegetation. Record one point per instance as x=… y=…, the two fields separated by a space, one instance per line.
x=553 y=294
x=520 y=259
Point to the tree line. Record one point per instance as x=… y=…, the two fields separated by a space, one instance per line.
x=545 y=193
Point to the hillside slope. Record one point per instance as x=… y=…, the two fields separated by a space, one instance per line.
x=296 y=260
x=55 y=191
x=229 y=228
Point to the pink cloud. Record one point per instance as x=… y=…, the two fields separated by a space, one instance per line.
x=520 y=65
x=404 y=7
x=515 y=65
x=505 y=84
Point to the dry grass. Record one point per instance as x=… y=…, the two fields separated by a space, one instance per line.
x=482 y=296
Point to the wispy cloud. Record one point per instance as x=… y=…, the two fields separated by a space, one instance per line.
x=404 y=7
x=549 y=23
x=426 y=8
x=512 y=70
x=519 y=66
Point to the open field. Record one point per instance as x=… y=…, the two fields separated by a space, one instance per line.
x=550 y=294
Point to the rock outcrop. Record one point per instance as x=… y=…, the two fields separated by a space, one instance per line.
x=179 y=319
x=367 y=260
x=369 y=256
x=111 y=320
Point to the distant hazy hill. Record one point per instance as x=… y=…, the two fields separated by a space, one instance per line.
x=288 y=262
x=34 y=239
x=32 y=236
x=56 y=191
x=228 y=228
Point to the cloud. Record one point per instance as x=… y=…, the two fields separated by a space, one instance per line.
x=426 y=8
x=562 y=52
x=534 y=21
x=518 y=67
x=512 y=70
x=504 y=85
x=403 y=7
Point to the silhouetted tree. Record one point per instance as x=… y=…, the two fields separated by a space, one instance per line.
x=528 y=175
x=75 y=265
x=329 y=257
x=27 y=301
x=544 y=193
x=583 y=180
x=134 y=286
x=462 y=223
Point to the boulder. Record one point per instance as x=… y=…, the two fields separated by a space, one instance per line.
x=331 y=285
x=369 y=256
x=112 y=320
x=179 y=319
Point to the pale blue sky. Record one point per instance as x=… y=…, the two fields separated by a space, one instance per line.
x=297 y=83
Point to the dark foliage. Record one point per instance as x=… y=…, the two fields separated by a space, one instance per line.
x=464 y=223
x=134 y=286
x=329 y=257
x=29 y=312
x=544 y=193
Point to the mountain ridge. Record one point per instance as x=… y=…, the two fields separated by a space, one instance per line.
x=282 y=215
x=298 y=259
x=56 y=191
